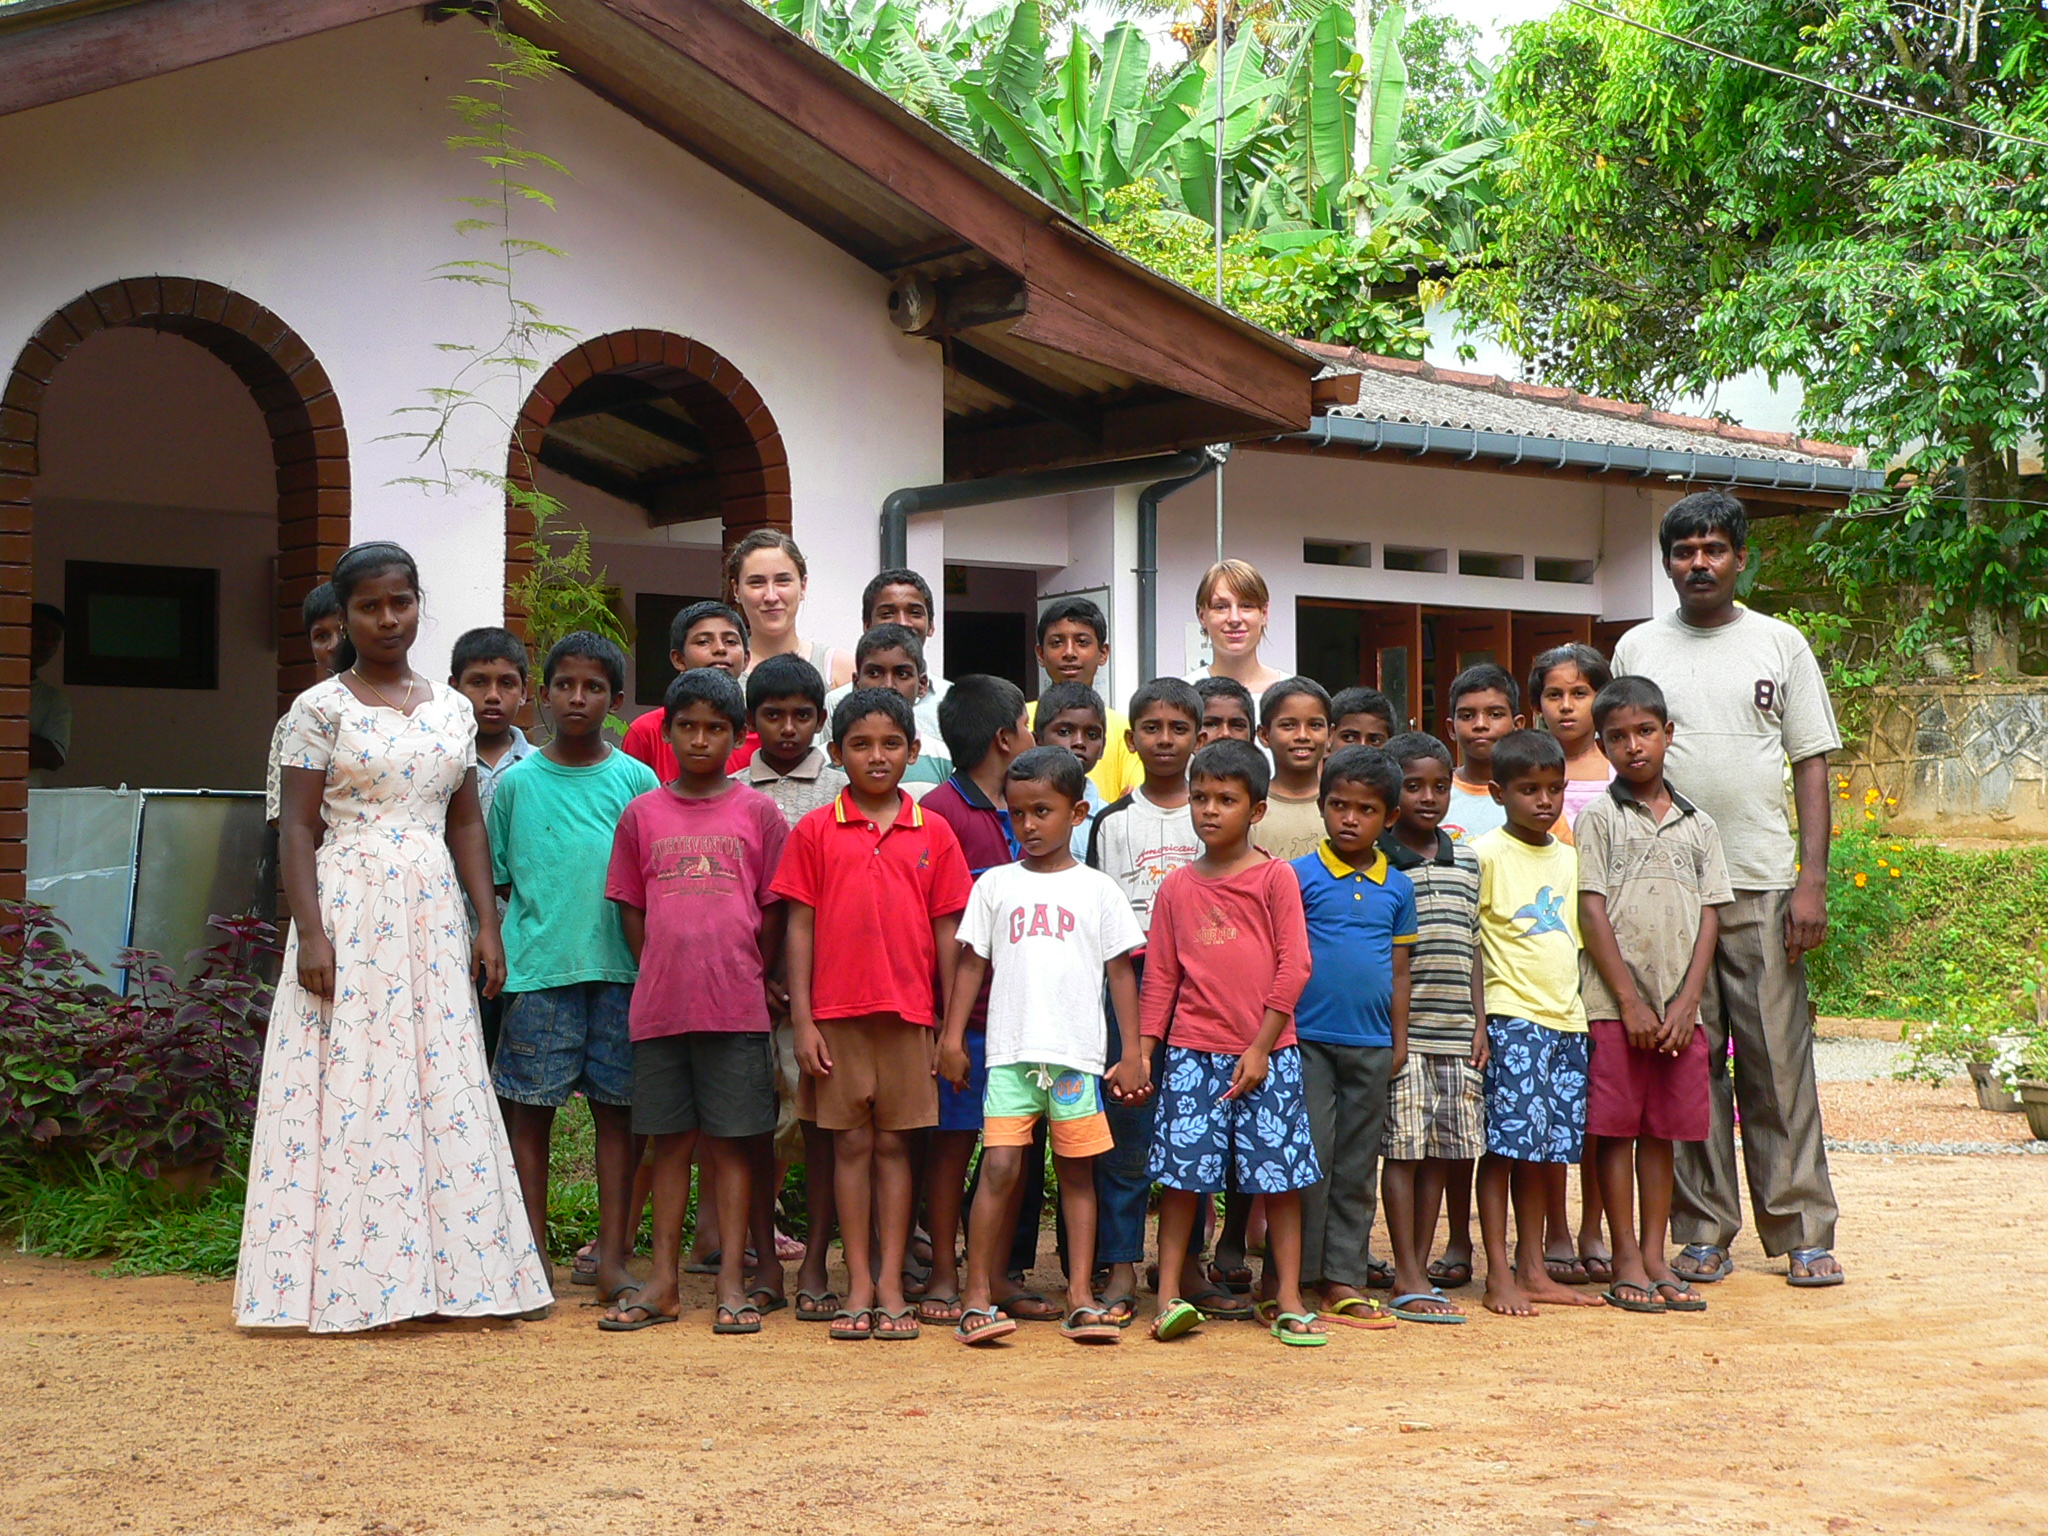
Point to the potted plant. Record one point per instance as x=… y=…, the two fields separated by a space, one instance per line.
x=2025 y=1056
x=1961 y=1032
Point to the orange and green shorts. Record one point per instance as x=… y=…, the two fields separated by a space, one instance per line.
x=1021 y=1093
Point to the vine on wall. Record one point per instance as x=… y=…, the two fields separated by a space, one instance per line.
x=560 y=591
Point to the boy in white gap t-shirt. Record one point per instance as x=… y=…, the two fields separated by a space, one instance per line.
x=1051 y=929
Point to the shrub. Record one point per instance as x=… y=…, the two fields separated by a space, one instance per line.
x=162 y=1077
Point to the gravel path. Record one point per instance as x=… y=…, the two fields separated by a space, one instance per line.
x=1855 y=1061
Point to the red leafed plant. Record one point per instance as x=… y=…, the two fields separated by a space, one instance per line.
x=162 y=1077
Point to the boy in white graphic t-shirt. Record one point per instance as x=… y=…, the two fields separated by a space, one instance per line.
x=1051 y=928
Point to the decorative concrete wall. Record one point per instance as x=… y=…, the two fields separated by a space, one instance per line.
x=1964 y=759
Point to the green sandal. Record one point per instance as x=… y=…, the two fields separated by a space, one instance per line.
x=1297 y=1329
x=1175 y=1320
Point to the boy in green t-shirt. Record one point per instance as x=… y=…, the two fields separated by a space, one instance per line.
x=569 y=974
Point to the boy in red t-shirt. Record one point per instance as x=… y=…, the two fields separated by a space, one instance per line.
x=706 y=634
x=875 y=891
x=690 y=872
x=1225 y=963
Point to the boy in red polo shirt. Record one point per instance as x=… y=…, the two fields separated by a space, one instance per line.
x=875 y=891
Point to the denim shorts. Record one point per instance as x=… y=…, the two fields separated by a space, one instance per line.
x=1262 y=1139
x=960 y=1108
x=564 y=1040
x=1536 y=1089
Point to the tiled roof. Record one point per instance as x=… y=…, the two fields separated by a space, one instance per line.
x=1397 y=389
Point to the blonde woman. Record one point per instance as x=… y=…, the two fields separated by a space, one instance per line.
x=1231 y=605
x=768 y=578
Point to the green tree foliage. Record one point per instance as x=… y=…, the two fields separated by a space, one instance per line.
x=1674 y=219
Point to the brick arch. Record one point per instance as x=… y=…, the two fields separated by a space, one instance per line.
x=746 y=445
x=307 y=442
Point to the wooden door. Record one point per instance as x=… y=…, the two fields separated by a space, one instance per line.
x=1393 y=647
x=1465 y=637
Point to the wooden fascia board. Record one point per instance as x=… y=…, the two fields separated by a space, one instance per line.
x=101 y=49
x=1157 y=426
x=1096 y=307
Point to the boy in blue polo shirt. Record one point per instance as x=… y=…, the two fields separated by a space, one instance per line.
x=1352 y=1022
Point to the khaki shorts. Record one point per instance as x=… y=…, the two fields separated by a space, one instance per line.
x=1436 y=1108
x=881 y=1076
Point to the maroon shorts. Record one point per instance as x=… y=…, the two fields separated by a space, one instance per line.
x=1646 y=1093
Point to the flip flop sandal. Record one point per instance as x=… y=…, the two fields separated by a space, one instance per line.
x=583 y=1269
x=1645 y=1299
x=1379 y=1275
x=844 y=1331
x=1176 y=1320
x=930 y=1308
x=611 y=1296
x=1682 y=1297
x=916 y=1280
x=1371 y=1313
x=650 y=1319
x=1265 y=1311
x=816 y=1306
x=1710 y=1265
x=1571 y=1271
x=1804 y=1258
x=740 y=1322
x=997 y=1327
x=1223 y=1307
x=1121 y=1310
x=1090 y=1325
x=897 y=1335
x=764 y=1301
x=1404 y=1309
x=1599 y=1269
x=1450 y=1274
x=1238 y=1279
x=1041 y=1310
x=1294 y=1328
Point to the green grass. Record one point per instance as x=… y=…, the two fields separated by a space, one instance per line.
x=71 y=1211
x=1949 y=928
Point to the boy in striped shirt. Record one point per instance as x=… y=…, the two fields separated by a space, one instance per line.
x=1436 y=1120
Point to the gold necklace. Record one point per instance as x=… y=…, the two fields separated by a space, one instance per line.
x=401 y=708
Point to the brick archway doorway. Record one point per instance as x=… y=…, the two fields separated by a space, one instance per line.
x=659 y=421
x=308 y=444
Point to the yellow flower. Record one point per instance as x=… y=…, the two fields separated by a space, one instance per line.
x=1895 y=874
x=1891 y=801
x=1870 y=815
x=1845 y=794
x=1898 y=847
x=1871 y=796
x=1882 y=865
x=1861 y=879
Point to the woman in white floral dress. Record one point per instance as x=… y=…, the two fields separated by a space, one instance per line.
x=381 y=1184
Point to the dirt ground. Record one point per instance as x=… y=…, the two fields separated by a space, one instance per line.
x=1914 y=1399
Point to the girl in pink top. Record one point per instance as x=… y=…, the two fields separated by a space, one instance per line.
x=1226 y=960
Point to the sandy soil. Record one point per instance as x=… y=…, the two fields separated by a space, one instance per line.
x=1915 y=1399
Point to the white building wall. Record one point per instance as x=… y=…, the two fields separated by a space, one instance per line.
x=1273 y=502
x=312 y=177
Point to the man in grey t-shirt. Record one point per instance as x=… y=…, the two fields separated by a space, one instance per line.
x=1746 y=695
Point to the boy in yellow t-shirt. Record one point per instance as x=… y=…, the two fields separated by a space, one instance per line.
x=1536 y=1058
x=1073 y=645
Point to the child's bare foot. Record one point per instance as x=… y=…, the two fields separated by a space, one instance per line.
x=1506 y=1297
x=1536 y=1285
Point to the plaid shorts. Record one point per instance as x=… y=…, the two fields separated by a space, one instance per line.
x=1436 y=1108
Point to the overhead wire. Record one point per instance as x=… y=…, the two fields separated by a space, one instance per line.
x=1818 y=84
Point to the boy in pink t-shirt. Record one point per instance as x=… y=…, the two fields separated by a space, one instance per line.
x=1226 y=960
x=691 y=868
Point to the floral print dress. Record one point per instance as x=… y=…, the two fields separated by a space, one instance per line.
x=381 y=1184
